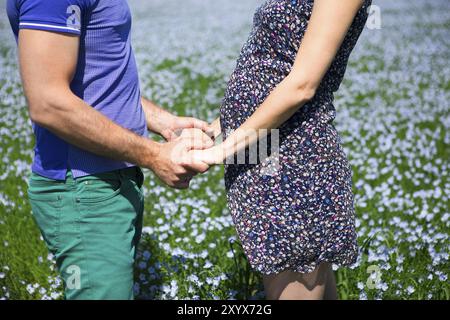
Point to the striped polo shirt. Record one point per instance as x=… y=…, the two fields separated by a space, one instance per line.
x=106 y=76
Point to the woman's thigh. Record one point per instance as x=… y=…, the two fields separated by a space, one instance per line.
x=290 y=285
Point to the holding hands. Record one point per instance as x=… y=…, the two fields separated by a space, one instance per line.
x=173 y=164
x=189 y=148
x=214 y=154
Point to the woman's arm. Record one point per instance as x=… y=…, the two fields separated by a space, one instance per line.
x=327 y=28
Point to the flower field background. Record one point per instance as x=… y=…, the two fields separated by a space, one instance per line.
x=392 y=113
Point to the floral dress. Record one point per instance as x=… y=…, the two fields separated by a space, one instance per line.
x=301 y=214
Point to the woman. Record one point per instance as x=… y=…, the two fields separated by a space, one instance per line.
x=294 y=223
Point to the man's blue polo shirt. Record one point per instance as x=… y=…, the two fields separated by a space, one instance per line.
x=106 y=77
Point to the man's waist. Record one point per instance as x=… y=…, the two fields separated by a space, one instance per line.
x=53 y=156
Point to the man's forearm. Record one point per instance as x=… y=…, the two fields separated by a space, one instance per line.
x=81 y=125
x=156 y=117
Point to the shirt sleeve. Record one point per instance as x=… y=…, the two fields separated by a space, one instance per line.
x=60 y=16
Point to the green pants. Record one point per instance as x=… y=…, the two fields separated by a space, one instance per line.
x=92 y=225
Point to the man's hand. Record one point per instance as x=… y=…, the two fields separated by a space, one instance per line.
x=173 y=163
x=176 y=125
x=168 y=125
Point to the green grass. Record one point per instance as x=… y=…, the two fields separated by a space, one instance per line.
x=190 y=244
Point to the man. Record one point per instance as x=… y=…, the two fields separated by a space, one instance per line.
x=81 y=83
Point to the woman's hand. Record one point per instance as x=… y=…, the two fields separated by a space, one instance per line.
x=211 y=156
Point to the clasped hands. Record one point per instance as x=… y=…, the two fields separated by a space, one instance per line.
x=189 y=150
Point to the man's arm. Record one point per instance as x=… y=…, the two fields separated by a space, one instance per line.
x=48 y=62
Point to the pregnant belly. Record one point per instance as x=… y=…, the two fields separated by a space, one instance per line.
x=247 y=90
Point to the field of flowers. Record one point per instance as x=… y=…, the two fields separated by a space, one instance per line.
x=393 y=116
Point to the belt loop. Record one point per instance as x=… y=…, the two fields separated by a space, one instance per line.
x=70 y=180
x=121 y=174
x=140 y=176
